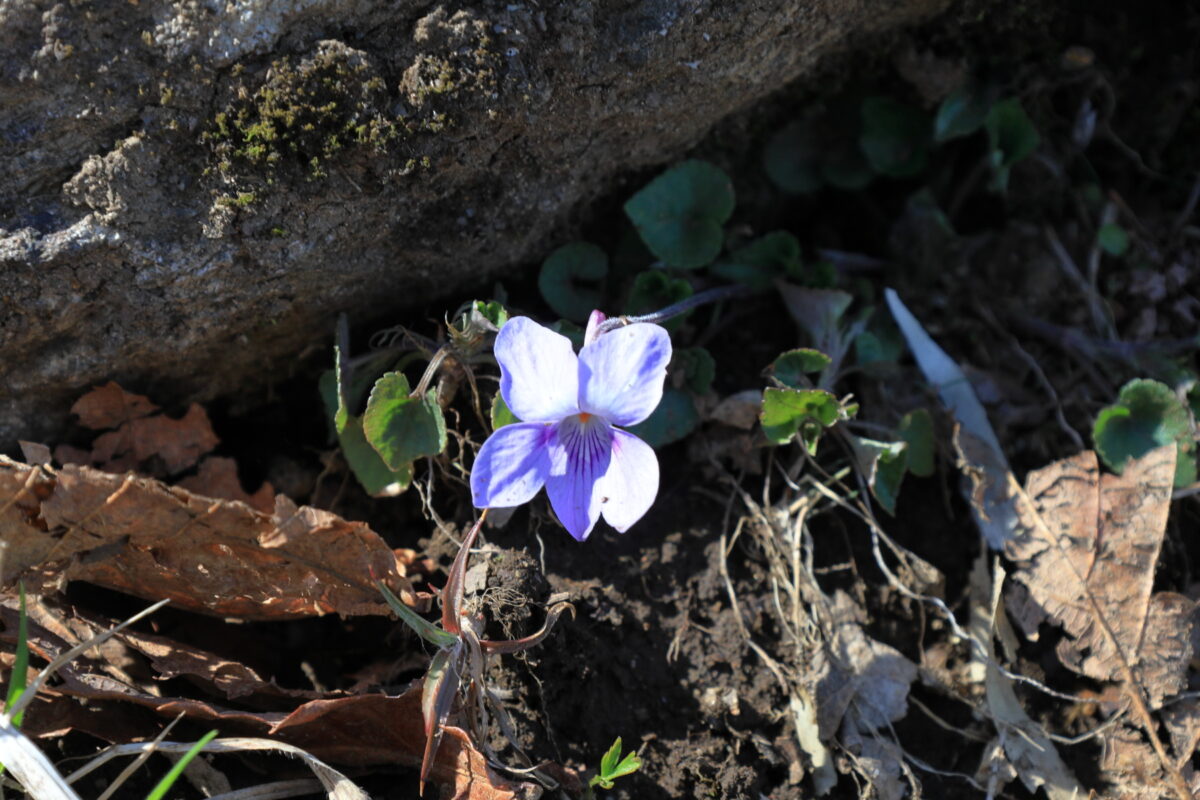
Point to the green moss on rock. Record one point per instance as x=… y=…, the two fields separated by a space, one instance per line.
x=303 y=114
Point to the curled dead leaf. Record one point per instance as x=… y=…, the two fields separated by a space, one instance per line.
x=140 y=536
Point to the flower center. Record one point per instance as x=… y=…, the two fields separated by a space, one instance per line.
x=584 y=417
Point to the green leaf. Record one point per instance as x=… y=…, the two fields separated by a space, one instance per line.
x=400 y=427
x=894 y=138
x=569 y=280
x=1113 y=239
x=376 y=477
x=611 y=769
x=501 y=414
x=792 y=366
x=883 y=463
x=784 y=410
x=655 y=289
x=792 y=158
x=1011 y=137
x=963 y=111
x=493 y=312
x=1147 y=415
x=916 y=429
x=168 y=780
x=680 y=214
x=421 y=626
x=697 y=366
x=758 y=264
x=630 y=764
x=18 y=676
x=845 y=167
x=608 y=762
x=674 y=418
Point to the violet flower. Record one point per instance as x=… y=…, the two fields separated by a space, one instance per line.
x=569 y=405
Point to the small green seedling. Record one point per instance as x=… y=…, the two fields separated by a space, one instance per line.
x=1011 y=137
x=963 y=111
x=612 y=766
x=459 y=662
x=1113 y=239
x=1147 y=414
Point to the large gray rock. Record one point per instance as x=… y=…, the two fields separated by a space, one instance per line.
x=190 y=190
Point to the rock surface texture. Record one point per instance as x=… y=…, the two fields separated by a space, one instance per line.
x=190 y=190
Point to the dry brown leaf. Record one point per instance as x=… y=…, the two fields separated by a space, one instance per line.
x=139 y=536
x=218 y=477
x=180 y=443
x=1097 y=572
x=1129 y=765
x=861 y=679
x=110 y=406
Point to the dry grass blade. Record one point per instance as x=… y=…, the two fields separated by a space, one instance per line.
x=1087 y=553
x=335 y=785
x=278 y=790
x=30 y=766
x=137 y=762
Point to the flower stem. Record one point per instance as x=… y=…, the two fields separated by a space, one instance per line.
x=675 y=309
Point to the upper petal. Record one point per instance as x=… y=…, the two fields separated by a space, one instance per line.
x=512 y=465
x=621 y=373
x=539 y=372
x=579 y=457
x=630 y=485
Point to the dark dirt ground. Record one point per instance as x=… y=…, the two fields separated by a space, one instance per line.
x=655 y=653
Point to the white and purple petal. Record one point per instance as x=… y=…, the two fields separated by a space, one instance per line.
x=630 y=485
x=580 y=453
x=621 y=373
x=512 y=466
x=539 y=371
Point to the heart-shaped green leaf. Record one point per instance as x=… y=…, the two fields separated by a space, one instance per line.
x=894 y=138
x=759 y=263
x=570 y=279
x=400 y=427
x=785 y=410
x=680 y=214
x=792 y=158
x=791 y=367
x=1147 y=415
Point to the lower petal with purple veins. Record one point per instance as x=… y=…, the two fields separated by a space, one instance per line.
x=580 y=453
x=630 y=484
x=512 y=466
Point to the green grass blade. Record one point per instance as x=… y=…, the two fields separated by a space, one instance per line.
x=17 y=680
x=169 y=779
